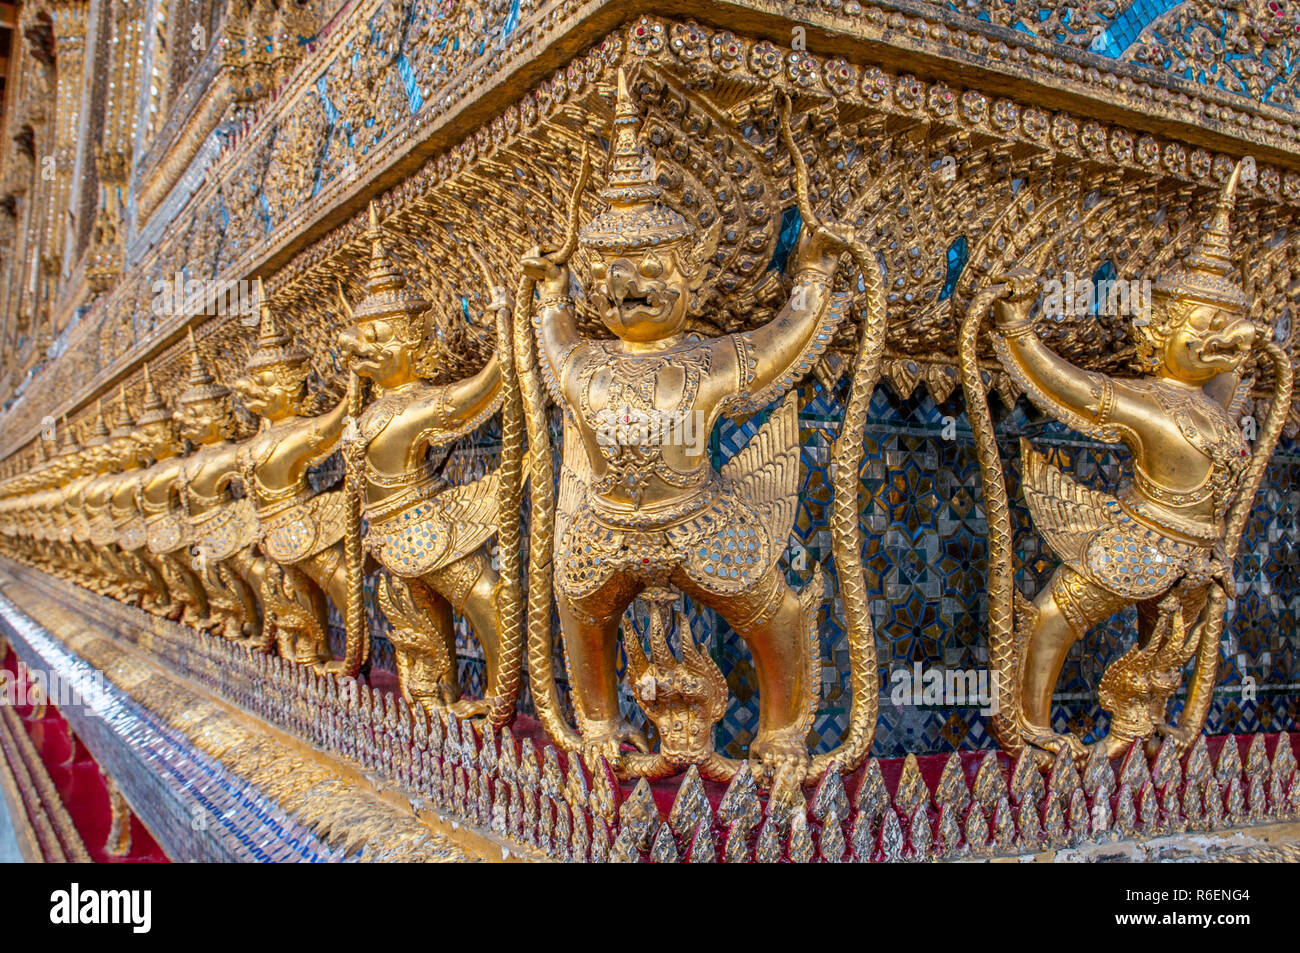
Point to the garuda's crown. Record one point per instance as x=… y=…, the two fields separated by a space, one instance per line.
x=1208 y=274
x=123 y=425
x=202 y=385
x=275 y=348
x=99 y=434
x=152 y=409
x=387 y=295
x=68 y=446
x=635 y=219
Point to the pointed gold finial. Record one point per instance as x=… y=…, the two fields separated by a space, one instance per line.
x=1208 y=273
x=202 y=385
x=267 y=333
x=98 y=429
x=387 y=294
x=275 y=348
x=69 y=445
x=152 y=409
x=122 y=424
x=635 y=219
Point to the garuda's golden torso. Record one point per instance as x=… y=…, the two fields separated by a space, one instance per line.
x=219 y=525
x=163 y=524
x=1166 y=520
x=296 y=522
x=417 y=523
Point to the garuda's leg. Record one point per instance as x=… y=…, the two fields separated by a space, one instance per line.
x=781 y=634
x=294 y=614
x=164 y=601
x=1068 y=606
x=233 y=608
x=468 y=585
x=139 y=578
x=251 y=570
x=186 y=588
x=328 y=569
x=589 y=626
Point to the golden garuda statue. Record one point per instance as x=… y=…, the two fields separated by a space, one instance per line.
x=67 y=472
x=300 y=531
x=222 y=530
x=1167 y=540
x=431 y=538
x=41 y=488
x=157 y=497
x=641 y=511
x=143 y=578
x=97 y=454
x=119 y=450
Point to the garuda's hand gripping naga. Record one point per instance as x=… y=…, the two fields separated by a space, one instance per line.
x=222 y=530
x=428 y=536
x=301 y=531
x=1167 y=541
x=641 y=512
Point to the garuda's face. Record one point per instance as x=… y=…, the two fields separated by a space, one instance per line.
x=155 y=438
x=375 y=349
x=124 y=450
x=642 y=296
x=267 y=394
x=203 y=421
x=1212 y=340
x=95 y=459
x=110 y=455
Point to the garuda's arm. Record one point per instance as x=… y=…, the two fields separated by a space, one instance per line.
x=324 y=432
x=556 y=323
x=1086 y=401
x=470 y=400
x=773 y=356
x=443 y=413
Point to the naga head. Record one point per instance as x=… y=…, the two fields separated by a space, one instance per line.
x=274 y=384
x=644 y=254
x=155 y=431
x=387 y=325
x=683 y=699
x=1198 y=327
x=203 y=408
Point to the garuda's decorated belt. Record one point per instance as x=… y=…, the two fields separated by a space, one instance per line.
x=420 y=535
x=102 y=530
x=131 y=535
x=224 y=531
x=294 y=534
x=165 y=533
x=724 y=548
x=80 y=528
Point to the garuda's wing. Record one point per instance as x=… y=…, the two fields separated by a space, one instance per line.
x=575 y=477
x=1066 y=513
x=766 y=473
x=471 y=514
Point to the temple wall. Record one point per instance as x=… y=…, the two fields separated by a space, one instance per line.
x=242 y=142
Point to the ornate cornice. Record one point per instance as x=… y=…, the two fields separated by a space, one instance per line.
x=925 y=61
